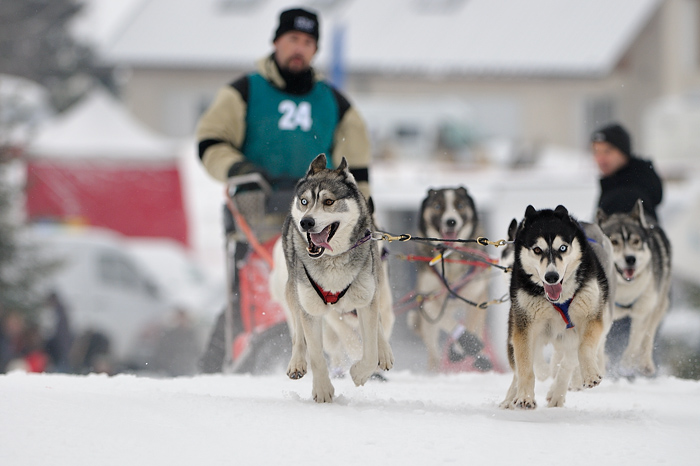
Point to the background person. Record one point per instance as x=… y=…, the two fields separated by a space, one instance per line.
x=624 y=178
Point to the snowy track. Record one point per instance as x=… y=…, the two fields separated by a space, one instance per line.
x=411 y=420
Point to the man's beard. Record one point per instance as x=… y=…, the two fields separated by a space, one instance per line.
x=298 y=82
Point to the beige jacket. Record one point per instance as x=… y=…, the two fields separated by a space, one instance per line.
x=223 y=126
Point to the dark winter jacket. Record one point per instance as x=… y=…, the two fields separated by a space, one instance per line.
x=636 y=180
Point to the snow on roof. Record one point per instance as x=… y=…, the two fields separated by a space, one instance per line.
x=477 y=37
x=99 y=127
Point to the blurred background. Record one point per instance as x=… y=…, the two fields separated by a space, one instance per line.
x=111 y=244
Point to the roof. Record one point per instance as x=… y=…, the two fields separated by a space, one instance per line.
x=99 y=127
x=473 y=37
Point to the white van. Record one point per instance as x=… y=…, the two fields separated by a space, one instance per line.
x=109 y=287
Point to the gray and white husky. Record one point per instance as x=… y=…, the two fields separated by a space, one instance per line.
x=451 y=213
x=642 y=255
x=334 y=269
x=559 y=294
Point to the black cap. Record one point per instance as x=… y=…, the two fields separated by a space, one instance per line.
x=298 y=19
x=615 y=135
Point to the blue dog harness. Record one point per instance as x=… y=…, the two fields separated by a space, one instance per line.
x=563 y=310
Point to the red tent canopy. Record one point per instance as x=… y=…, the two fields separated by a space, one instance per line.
x=98 y=166
x=133 y=200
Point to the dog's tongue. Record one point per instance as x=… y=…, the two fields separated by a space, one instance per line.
x=449 y=234
x=321 y=239
x=553 y=291
x=628 y=273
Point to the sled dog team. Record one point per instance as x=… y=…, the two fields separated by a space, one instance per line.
x=569 y=281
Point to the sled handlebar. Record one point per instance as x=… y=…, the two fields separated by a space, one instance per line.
x=250 y=178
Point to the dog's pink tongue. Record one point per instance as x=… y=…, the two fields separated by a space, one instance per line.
x=449 y=234
x=553 y=291
x=629 y=274
x=321 y=239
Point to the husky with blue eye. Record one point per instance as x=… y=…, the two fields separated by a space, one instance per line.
x=558 y=294
x=334 y=273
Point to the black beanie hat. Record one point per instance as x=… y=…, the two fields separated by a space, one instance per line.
x=615 y=135
x=298 y=19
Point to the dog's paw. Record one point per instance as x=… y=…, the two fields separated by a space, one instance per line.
x=323 y=391
x=386 y=358
x=360 y=373
x=506 y=404
x=555 y=400
x=646 y=368
x=296 y=369
x=524 y=402
x=592 y=380
x=576 y=383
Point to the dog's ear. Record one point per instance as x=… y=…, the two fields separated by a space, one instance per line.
x=317 y=165
x=512 y=228
x=344 y=171
x=530 y=211
x=638 y=213
x=561 y=211
x=462 y=190
x=600 y=216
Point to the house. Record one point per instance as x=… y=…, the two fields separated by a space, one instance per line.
x=534 y=72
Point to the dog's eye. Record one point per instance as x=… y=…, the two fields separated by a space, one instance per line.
x=537 y=250
x=328 y=202
x=563 y=248
x=303 y=201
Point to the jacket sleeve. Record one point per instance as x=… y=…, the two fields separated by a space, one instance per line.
x=220 y=133
x=655 y=185
x=351 y=140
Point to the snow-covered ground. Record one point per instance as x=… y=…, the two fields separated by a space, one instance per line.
x=409 y=420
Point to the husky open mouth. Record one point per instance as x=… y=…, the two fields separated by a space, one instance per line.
x=448 y=233
x=319 y=242
x=553 y=292
x=627 y=273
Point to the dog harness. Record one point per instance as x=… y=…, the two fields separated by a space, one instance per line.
x=326 y=296
x=563 y=310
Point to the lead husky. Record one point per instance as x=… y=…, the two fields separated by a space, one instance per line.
x=450 y=213
x=642 y=255
x=559 y=294
x=333 y=267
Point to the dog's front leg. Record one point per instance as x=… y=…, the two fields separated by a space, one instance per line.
x=567 y=362
x=363 y=369
x=323 y=390
x=588 y=353
x=522 y=341
x=297 y=363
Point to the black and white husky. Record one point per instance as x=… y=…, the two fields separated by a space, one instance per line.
x=642 y=255
x=559 y=294
x=450 y=213
x=334 y=273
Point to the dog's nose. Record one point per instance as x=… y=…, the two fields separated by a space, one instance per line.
x=307 y=223
x=451 y=223
x=630 y=260
x=551 y=277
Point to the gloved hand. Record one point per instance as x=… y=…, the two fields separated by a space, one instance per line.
x=243 y=168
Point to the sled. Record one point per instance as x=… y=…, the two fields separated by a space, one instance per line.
x=256 y=333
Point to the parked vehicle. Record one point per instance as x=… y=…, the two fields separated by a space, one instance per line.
x=116 y=289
